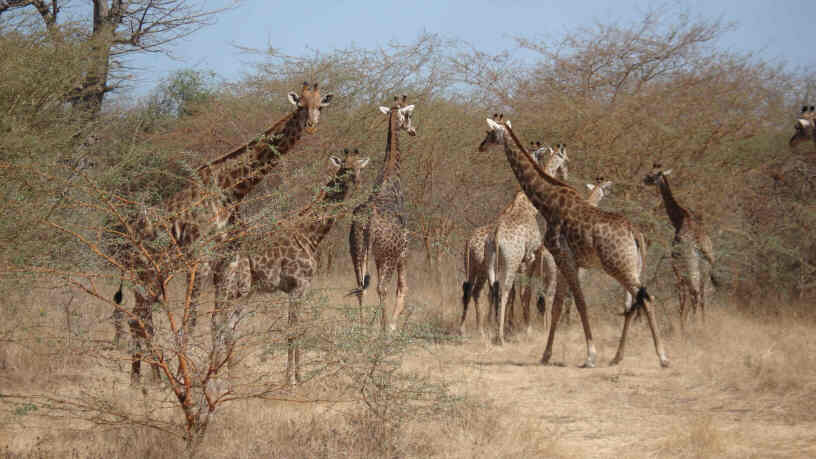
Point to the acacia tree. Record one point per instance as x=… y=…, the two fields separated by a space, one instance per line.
x=117 y=29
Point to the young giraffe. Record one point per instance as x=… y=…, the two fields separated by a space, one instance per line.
x=197 y=216
x=476 y=262
x=805 y=126
x=287 y=261
x=582 y=236
x=378 y=224
x=515 y=241
x=690 y=243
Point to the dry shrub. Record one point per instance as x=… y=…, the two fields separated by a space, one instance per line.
x=699 y=438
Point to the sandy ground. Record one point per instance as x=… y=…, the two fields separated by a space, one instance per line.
x=738 y=386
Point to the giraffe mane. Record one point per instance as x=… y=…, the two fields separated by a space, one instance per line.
x=243 y=148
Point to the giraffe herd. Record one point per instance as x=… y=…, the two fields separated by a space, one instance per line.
x=548 y=230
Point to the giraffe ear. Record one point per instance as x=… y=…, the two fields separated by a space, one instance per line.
x=363 y=162
x=294 y=99
x=409 y=109
x=590 y=186
x=326 y=100
x=338 y=163
x=385 y=110
x=507 y=122
x=667 y=172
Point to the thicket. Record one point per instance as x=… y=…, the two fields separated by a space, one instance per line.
x=620 y=96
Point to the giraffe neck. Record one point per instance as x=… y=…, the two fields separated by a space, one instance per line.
x=391 y=166
x=237 y=172
x=676 y=213
x=547 y=193
x=318 y=220
x=387 y=188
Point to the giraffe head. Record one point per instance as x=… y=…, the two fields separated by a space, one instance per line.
x=553 y=160
x=496 y=132
x=404 y=114
x=540 y=152
x=805 y=126
x=558 y=162
x=312 y=102
x=657 y=176
x=603 y=186
x=347 y=169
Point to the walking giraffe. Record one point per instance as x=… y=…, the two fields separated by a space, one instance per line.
x=516 y=240
x=195 y=218
x=286 y=259
x=583 y=236
x=805 y=126
x=378 y=224
x=476 y=268
x=690 y=243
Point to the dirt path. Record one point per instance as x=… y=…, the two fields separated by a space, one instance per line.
x=705 y=405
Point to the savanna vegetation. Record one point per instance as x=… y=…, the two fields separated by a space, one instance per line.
x=74 y=165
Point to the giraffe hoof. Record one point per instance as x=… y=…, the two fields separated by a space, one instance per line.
x=588 y=364
x=614 y=362
x=664 y=363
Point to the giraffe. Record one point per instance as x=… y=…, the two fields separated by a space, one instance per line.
x=378 y=224
x=690 y=243
x=476 y=263
x=287 y=260
x=476 y=272
x=195 y=218
x=805 y=126
x=582 y=236
x=516 y=241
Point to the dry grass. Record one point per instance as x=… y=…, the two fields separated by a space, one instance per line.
x=739 y=386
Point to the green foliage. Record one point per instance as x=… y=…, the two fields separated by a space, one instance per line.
x=181 y=93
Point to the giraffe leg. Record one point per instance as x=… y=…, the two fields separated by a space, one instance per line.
x=549 y=277
x=118 y=317
x=400 y=293
x=293 y=375
x=359 y=248
x=467 y=293
x=661 y=353
x=510 y=310
x=141 y=332
x=384 y=273
x=477 y=291
x=527 y=295
x=555 y=316
x=566 y=265
x=227 y=277
x=622 y=344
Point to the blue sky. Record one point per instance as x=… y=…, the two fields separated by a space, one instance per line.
x=779 y=32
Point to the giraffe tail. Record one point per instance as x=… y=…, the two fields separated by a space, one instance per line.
x=359 y=290
x=118 y=296
x=467 y=290
x=467 y=287
x=714 y=280
x=640 y=302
